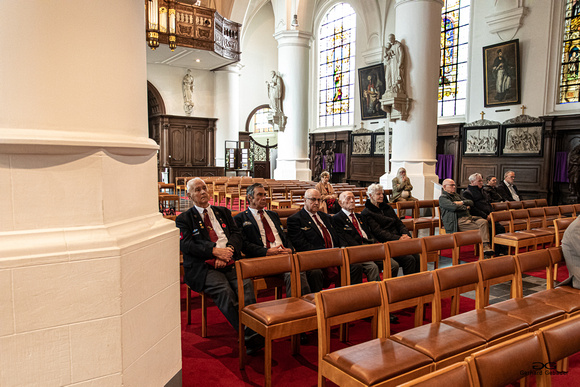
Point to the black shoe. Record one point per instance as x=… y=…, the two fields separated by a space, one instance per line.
x=394 y=319
x=488 y=253
x=304 y=339
x=254 y=344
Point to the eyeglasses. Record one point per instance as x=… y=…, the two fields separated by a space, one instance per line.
x=314 y=199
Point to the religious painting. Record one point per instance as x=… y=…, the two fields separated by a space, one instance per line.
x=379 y=144
x=501 y=74
x=371 y=82
x=522 y=140
x=481 y=141
x=361 y=144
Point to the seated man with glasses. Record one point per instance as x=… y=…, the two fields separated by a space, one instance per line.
x=455 y=215
x=311 y=229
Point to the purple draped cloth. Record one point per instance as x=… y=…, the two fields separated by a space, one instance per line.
x=444 y=166
x=339 y=162
x=561 y=168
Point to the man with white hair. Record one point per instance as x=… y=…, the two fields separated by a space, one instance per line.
x=508 y=191
x=455 y=215
x=210 y=242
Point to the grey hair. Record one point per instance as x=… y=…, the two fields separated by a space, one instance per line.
x=324 y=173
x=190 y=183
x=250 y=190
x=399 y=172
x=473 y=177
x=507 y=173
x=374 y=188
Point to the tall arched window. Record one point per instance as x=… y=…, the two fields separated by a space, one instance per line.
x=336 y=66
x=569 y=80
x=454 y=52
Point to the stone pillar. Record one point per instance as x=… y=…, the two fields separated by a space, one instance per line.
x=89 y=270
x=293 y=58
x=414 y=140
x=227 y=108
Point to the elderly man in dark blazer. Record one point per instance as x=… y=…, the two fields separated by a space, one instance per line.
x=311 y=229
x=353 y=231
x=210 y=242
x=508 y=191
x=262 y=232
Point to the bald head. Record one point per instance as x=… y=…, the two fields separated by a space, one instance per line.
x=346 y=201
x=448 y=185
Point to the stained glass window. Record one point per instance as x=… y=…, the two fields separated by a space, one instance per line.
x=259 y=121
x=454 y=51
x=569 y=83
x=336 y=66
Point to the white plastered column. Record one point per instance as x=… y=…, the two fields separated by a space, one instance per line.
x=414 y=140
x=89 y=270
x=293 y=58
x=227 y=108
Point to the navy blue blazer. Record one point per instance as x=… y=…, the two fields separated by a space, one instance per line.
x=197 y=247
x=348 y=233
x=304 y=234
x=253 y=245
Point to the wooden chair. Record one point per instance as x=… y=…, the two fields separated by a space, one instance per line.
x=365 y=253
x=432 y=246
x=514 y=240
x=232 y=191
x=567 y=211
x=443 y=343
x=560 y=226
x=272 y=319
x=542 y=236
x=500 y=206
x=529 y=203
x=320 y=259
x=403 y=247
x=506 y=362
x=188 y=302
x=489 y=325
x=169 y=202
x=466 y=238
x=541 y=203
x=456 y=375
x=577 y=209
x=363 y=364
x=515 y=205
x=219 y=191
x=492 y=272
x=422 y=222
x=537 y=217
x=403 y=206
x=562 y=339
x=551 y=213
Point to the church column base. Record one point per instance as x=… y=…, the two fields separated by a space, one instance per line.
x=293 y=169
x=421 y=173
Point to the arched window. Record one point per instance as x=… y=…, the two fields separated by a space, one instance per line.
x=454 y=52
x=569 y=82
x=336 y=66
x=258 y=120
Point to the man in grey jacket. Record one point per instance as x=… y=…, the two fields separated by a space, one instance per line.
x=455 y=215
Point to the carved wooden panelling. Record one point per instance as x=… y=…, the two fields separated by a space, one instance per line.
x=199 y=147
x=176 y=150
x=477 y=166
x=528 y=176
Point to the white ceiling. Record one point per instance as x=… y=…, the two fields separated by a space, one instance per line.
x=186 y=58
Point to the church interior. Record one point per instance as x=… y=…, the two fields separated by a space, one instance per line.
x=114 y=106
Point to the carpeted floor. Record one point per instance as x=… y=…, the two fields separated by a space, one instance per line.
x=213 y=361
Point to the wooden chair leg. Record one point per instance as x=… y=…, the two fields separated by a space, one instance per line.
x=188 y=304
x=268 y=361
x=203 y=314
x=241 y=347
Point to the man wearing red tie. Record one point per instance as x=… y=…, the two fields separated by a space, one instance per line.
x=310 y=229
x=210 y=242
x=262 y=232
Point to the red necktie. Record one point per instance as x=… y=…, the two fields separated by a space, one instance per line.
x=354 y=221
x=325 y=233
x=269 y=234
x=212 y=235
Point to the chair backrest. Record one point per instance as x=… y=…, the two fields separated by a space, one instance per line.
x=320 y=259
x=438 y=242
x=419 y=204
x=456 y=375
x=553 y=211
x=492 y=272
x=566 y=210
x=262 y=267
x=452 y=281
x=346 y=304
x=541 y=202
x=577 y=209
x=499 y=206
x=562 y=338
x=402 y=247
x=529 y=203
x=537 y=217
x=406 y=205
x=515 y=205
x=413 y=290
x=466 y=238
x=520 y=214
x=561 y=225
x=365 y=253
x=507 y=362
x=556 y=254
x=500 y=216
x=533 y=261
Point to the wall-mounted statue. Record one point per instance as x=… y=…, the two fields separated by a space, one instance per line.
x=187 y=87
x=317 y=165
x=395 y=67
x=329 y=158
x=574 y=171
x=275 y=94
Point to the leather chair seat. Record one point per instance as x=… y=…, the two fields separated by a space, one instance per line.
x=439 y=341
x=487 y=324
x=310 y=297
x=377 y=360
x=514 y=236
x=569 y=289
x=529 y=310
x=559 y=298
x=280 y=311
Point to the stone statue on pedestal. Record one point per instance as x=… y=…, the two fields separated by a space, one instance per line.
x=275 y=94
x=574 y=171
x=395 y=68
x=187 y=87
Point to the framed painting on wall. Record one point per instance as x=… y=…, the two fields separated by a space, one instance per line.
x=522 y=140
x=361 y=144
x=501 y=74
x=371 y=82
x=481 y=141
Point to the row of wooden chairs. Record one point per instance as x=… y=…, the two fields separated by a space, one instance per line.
x=518 y=205
x=393 y=359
